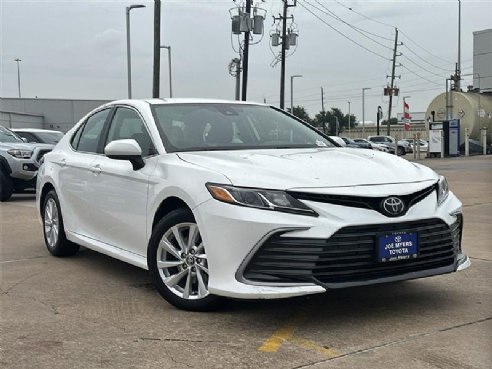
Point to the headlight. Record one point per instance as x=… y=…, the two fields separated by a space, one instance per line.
x=442 y=190
x=20 y=154
x=259 y=198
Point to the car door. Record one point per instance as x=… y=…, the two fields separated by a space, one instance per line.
x=118 y=192
x=74 y=172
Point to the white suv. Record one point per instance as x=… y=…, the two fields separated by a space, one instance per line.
x=227 y=199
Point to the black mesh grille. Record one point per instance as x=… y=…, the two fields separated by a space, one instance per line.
x=350 y=254
x=373 y=203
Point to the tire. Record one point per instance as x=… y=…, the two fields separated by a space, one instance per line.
x=401 y=151
x=6 y=186
x=183 y=280
x=53 y=229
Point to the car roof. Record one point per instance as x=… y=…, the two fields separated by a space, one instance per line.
x=137 y=102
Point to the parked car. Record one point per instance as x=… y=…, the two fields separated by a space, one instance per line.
x=353 y=143
x=39 y=135
x=423 y=144
x=374 y=146
x=402 y=148
x=225 y=199
x=343 y=143
x=19 y=163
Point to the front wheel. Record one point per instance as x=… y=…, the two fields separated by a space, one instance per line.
x=177 y=262
x=401 y=151
x=53 y=229
x=6 y=186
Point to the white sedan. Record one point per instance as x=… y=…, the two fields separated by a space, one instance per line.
x=225 y=199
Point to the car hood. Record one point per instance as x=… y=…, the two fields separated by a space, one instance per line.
x=24 y=146
x=310 y=168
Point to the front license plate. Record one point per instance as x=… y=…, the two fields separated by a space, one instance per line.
x=397 y=246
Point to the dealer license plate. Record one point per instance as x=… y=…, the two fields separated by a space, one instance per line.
x=397 y=246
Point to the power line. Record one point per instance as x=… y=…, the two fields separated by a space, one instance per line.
x=362 y=15
x=424 y=60
x=357 y=29
x=421 y=67
x=418 y=75
x=392 y=26
x=343 y=35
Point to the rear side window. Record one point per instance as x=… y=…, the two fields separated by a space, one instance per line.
x=90 y=133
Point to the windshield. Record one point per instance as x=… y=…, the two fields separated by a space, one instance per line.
x=8 y=136
x=49 y=137
x=197 y=127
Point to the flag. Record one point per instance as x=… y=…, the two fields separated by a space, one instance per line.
x=406 y=115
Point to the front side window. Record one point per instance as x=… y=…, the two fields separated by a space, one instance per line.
x=91 y=132
x=208 y=126
x=127 y=124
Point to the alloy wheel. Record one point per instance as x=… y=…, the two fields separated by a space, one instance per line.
x=51 y=222
x=182 y=261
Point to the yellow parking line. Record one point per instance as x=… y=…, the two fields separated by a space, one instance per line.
x=311 y=345
x=273 y=343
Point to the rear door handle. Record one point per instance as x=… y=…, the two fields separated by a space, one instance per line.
x=63 y=162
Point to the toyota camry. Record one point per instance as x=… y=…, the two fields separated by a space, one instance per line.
x=221 y=199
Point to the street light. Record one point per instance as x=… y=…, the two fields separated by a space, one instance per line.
x=363 y=111
x=170 y=72
x=349 y=116
x=128 y=56
x=18 y=75
x=292 y=92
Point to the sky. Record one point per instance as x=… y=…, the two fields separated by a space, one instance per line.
x=77 y=49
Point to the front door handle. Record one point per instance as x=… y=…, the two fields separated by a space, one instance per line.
x=96 y=169
x=63 y=162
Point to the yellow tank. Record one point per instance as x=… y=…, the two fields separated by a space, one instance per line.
x=464 y=106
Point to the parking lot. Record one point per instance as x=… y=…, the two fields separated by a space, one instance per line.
x=91 y=311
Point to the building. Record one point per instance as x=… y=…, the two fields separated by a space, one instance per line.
x=56 y=114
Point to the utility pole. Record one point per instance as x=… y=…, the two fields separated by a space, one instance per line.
x=246 y=56
x=457 y=84
x=349 y=116
x=388 y=126
x=323 y=109
x=157 y=48
x=292 y=92
x=18 y=75
x=285 y=40
x=363 y=110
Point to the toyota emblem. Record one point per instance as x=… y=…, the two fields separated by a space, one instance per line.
x=393 y=206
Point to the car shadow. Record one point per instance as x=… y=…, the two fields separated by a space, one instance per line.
x=365 y=302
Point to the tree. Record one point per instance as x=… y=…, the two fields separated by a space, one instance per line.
x=392 y=121
x=301 y=113
x=334 y=121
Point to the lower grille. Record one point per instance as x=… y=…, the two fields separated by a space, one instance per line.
x=350 y=254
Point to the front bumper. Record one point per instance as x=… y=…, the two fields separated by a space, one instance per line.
x=234 y=234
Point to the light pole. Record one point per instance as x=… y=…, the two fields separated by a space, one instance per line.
x=292 y=92
x=380 y=115
x=18 y=75
x=128 y=53
x=170 y=72
x=363 y=111
x=349 y=116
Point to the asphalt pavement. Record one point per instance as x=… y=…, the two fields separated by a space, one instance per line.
x=91 y=311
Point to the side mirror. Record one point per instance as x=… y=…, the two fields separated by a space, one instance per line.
x=125 y=150
x=24 y=139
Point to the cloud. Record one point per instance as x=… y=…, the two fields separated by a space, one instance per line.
x=109 y=39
